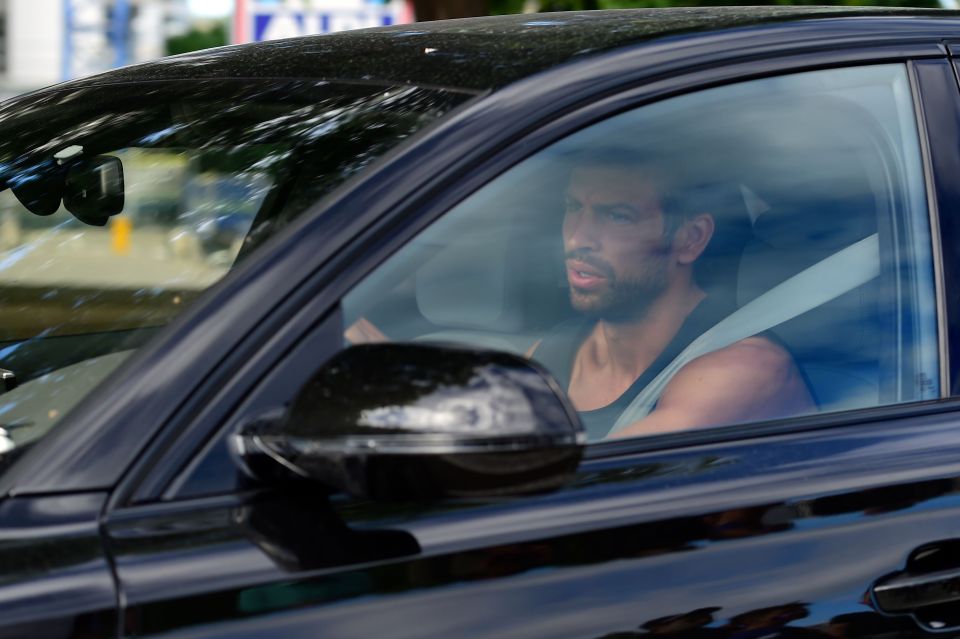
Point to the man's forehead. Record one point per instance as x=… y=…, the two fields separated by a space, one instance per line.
x=610 y=182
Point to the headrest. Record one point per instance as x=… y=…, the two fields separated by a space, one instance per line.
x=812 y=190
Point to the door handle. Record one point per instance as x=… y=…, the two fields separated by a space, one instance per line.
x=906 y=593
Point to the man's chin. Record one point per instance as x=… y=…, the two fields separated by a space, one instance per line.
x=589 y=304
x=597 y=307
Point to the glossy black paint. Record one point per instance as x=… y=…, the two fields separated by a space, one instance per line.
x=801 y=524
x=477 y=54
x=941 y=115
x=372 y=390
x=781 y=530
x=416 y=421
x=55 y=580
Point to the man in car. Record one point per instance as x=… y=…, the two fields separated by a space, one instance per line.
x=633 y=231
x=632 y=234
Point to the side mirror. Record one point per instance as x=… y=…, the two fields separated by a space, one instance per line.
x=409 y=421
x=93 y=190
x=304 y=532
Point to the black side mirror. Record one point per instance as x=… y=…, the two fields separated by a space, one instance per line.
x=94 y=191
x=304 y=532
x=409 y=421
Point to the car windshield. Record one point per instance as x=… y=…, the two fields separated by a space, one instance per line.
x=121 y=204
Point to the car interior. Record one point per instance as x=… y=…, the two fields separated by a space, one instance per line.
x=490 y=273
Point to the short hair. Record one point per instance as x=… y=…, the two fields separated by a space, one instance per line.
x=681 y=195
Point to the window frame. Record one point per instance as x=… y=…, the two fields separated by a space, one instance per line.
x=386 y=233
x=502 y=206
x=937 y=100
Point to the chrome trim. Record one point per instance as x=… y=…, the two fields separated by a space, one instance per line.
x=905 y=593
x=261 y=446
x=935 y=237
x=428 y=444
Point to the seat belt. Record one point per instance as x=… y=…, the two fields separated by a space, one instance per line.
x=828 y=279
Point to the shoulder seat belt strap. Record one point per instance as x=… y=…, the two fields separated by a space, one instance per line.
x=829 y=278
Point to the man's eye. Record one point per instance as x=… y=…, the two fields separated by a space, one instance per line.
x=617 y=216
x=571 y=206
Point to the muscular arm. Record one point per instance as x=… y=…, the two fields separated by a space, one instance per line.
x=751 y=380
x=363 y=331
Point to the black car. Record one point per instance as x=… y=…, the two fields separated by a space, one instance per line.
x=401 y=405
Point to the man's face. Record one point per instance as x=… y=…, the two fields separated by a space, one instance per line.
x=613 y=232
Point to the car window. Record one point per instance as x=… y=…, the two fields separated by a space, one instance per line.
x=120 y=205
x=743 y=253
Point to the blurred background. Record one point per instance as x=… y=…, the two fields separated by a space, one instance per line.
x=48 y=41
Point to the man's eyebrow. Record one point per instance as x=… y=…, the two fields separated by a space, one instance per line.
x=618 y=205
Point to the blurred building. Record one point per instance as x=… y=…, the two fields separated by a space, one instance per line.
x=257 y=20
x=48 y=41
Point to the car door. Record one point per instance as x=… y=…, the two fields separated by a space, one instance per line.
x=818 y=522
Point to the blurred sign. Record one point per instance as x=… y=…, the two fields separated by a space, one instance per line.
x=258 y=20
x=96 y=37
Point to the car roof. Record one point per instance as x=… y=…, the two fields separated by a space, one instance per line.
x=470 y=54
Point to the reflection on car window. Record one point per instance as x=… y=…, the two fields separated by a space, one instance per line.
x=750 y=252
x=121 y=204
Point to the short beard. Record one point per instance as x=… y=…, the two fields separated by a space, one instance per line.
x=624 y=300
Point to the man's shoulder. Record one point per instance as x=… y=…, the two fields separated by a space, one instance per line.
x=759 y=352
x=754 y=365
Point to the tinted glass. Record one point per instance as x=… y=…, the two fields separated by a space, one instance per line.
x=749 y=252
x=122 y=204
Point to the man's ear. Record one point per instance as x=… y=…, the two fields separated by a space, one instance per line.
x=692 y=238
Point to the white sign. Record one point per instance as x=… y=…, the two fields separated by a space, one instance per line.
x=258 y=20
x=92 y=42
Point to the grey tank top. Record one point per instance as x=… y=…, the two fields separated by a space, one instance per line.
x=559 y=348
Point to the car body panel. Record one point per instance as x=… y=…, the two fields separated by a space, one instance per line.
x=941 y=114
x=811 y=519
x=477 y=54
x=55 y=579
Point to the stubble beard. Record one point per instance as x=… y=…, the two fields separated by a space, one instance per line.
x=623 y=300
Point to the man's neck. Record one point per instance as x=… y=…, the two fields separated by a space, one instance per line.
x=627 y=349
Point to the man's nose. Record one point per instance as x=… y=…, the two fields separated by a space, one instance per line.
x=580 y=231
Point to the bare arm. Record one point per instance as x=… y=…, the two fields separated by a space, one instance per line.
x=363 y=331
x=751 y=380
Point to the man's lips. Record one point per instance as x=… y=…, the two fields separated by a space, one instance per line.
x=583 y=275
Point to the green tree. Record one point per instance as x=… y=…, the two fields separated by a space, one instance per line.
x=198 y=38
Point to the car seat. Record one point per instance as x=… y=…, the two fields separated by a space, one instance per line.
x=812 y=197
